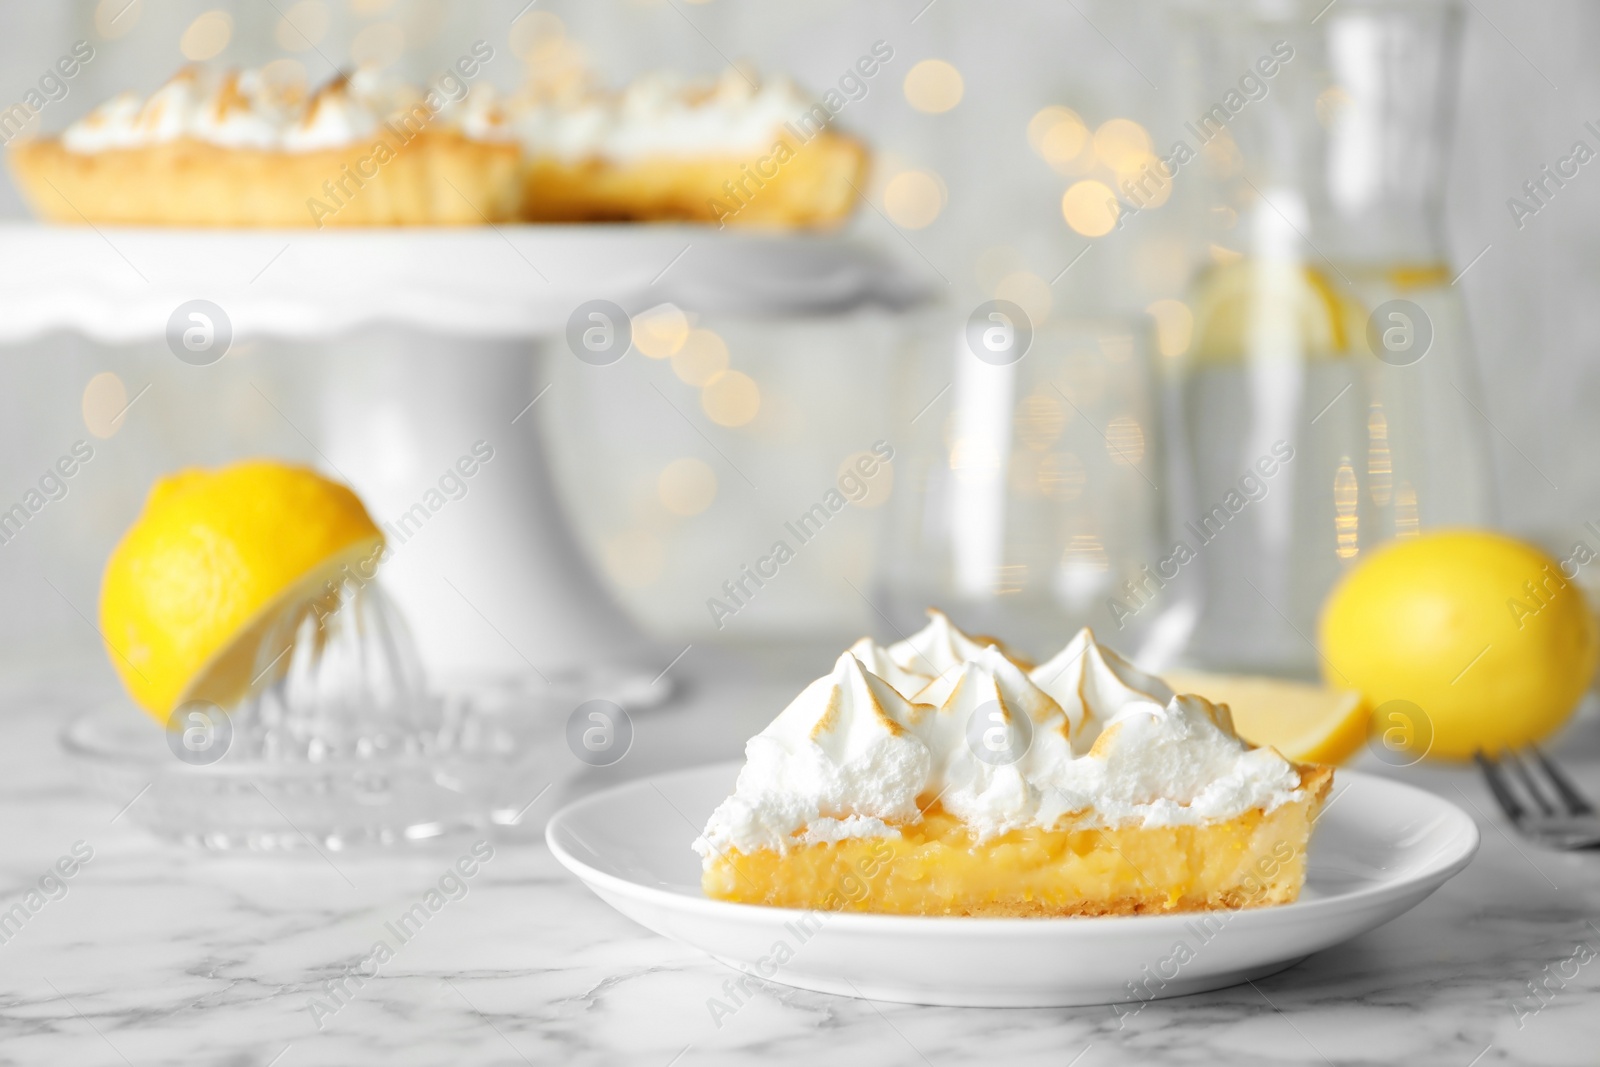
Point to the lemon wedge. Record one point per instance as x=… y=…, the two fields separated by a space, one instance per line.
x=1323 y=323
x=211 y=562
x=1306 y=723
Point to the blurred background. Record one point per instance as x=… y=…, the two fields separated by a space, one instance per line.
x=1025 y=496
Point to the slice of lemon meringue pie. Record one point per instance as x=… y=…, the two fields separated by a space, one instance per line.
x=941 y=777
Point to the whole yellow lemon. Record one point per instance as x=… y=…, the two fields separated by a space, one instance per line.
x=212 y=560
x=1480 y=631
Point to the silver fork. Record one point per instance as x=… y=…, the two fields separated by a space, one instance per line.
x=1554 y=813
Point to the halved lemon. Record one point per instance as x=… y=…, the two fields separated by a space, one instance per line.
x=1306 y=723
x=215 y=558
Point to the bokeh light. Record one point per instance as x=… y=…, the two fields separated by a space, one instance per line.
x=1380 y=457
x=1162 y=262
x=1062 y=476
x=303 y=26
x=1121 y=144
x=1174 y=326
x=113 y=18
x=378 y=45
x=1406 y=518
x=1125 y=440
x=1023 y=471
x=1145 y=181
x=1062 y=140
x=974 y=460
x=703 y=356
x=1039 y=420
x=1029 y=292
x=687 y=486
x=994 y=263
x=1085 y=552
x=1330 y=102
x=1220 y=156
x=634 y=558
x=933 y=86
x=913 y=198
x=1090 y=208
x=1083 y=379
x=1047 y=118
x=1223 y=256
x=105 y=398
x=1118 y=348
x=535 y=31
x=206 y=36
x=558 y=65
x=879 y=487
x=1346 y=521
x=659 y=332
x=730 y=398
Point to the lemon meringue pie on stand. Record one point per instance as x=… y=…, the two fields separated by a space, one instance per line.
x=235 y=149
x=959 y=782
x=734 y=152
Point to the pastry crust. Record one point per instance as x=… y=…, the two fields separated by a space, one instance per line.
x=435 y=178
x=809 y=185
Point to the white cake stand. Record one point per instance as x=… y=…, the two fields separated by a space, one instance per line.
x=459 y=317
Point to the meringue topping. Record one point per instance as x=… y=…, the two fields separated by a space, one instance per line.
x=840 y=761
x=657 y=115
x=243 y=109
x=995 y=737
x=1084 y=740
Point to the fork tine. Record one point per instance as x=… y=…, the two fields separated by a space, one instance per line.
x=1532 y=787
x=1571 y=796
x=1498 y=786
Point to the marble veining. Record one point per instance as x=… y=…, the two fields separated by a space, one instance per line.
x=158 y=954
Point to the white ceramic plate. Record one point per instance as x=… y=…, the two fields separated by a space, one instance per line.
x=1378 y=850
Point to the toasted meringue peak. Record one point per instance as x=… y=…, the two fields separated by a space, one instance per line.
x=1093 y=684
x=875 y=658
x=935 y=648
x=991 y=677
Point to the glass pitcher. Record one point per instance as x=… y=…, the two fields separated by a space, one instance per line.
x=1327 y=401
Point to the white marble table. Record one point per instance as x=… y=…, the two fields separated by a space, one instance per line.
x=159 y=954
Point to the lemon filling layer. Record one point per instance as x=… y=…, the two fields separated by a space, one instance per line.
x=935 y=867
